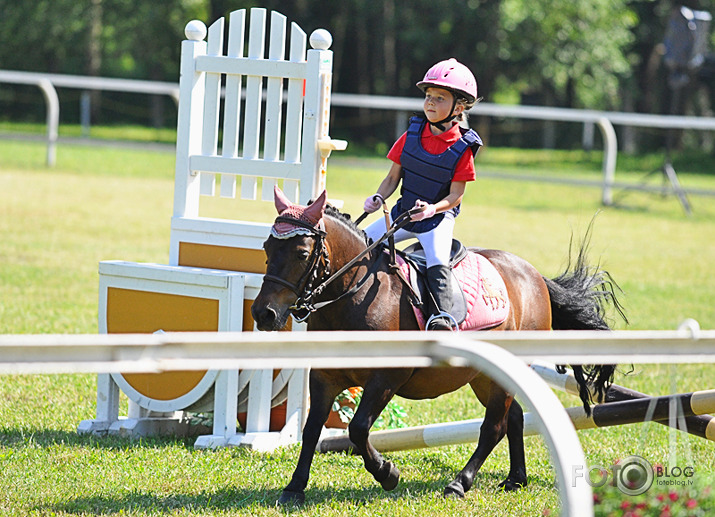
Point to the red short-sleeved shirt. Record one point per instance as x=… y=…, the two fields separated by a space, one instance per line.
x=437 y=144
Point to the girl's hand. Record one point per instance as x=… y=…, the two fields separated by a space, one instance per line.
x=373 y=203
x=428 y=210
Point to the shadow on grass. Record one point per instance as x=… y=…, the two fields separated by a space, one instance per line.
x=244 y=498
x=317 y=494
x=15 y=438
x=438 y=473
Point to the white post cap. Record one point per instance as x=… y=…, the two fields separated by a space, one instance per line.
x=321 y=39
x=195 y=30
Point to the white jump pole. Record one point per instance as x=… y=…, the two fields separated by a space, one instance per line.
x=698 y=424
x=695 y=406
x=467 y=431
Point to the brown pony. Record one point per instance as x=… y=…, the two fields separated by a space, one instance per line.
x=308 y=245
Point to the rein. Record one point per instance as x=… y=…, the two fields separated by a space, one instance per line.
x=304 y=305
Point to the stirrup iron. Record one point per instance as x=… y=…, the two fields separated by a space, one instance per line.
x=445 y=315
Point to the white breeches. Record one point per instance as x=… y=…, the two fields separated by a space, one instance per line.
x=437 y=243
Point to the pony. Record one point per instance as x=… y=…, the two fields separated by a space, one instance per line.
x=320 y=267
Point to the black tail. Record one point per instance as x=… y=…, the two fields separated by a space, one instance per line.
x=579 y=299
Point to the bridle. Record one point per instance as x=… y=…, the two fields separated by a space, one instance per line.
x=305 y=288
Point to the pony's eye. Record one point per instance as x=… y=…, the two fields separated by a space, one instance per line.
x=303 y=254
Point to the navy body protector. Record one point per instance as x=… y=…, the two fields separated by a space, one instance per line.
x=428 y=176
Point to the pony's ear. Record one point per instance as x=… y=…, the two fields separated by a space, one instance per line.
x=314 y=211
x=280 y=200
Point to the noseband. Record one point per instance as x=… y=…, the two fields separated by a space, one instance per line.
x=305 y=288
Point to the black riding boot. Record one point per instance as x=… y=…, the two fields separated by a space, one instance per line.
x=439 y=282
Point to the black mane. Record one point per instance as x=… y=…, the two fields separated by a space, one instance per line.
x=346 y=219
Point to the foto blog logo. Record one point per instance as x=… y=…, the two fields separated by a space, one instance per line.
x=633 y=475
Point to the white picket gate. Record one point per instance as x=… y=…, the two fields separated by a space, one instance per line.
x=275 y=112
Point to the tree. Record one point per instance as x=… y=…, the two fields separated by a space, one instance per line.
x=574 y=53
x=43 y=35
x=142 y=40
x=574 y=50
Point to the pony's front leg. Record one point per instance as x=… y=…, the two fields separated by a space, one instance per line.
x=372 y=403
x=321 y=401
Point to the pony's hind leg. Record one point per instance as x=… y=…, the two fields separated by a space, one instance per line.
x=493 y=429
x=517 y=459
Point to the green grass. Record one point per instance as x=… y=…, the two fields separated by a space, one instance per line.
x=101 y=204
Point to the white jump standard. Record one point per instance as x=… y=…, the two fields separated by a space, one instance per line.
x=215 y=265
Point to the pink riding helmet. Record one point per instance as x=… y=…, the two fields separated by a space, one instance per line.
x=452 y=75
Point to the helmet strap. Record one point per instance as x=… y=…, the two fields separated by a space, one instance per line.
x=440 y=123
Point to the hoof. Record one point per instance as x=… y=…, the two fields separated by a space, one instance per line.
x=454 y=491
x=291 y=498
x=388 y=476
x=512 y=484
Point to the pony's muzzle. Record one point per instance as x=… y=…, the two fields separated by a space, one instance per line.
x=269 y=314
x=265 y=317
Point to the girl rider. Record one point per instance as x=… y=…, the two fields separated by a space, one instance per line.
x=433 y=160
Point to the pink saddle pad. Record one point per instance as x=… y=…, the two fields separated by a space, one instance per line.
x=484 y=291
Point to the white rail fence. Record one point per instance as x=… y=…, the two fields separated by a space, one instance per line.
x=505 y=363
x=48 y=84
x=94 y=353
x=605 y=120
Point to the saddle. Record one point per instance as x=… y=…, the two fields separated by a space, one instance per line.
x=479 y=295
x=414 y=256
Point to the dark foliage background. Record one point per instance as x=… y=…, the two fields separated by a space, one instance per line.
x=596 y=54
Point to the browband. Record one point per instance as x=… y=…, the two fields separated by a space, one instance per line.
x=302 y=226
